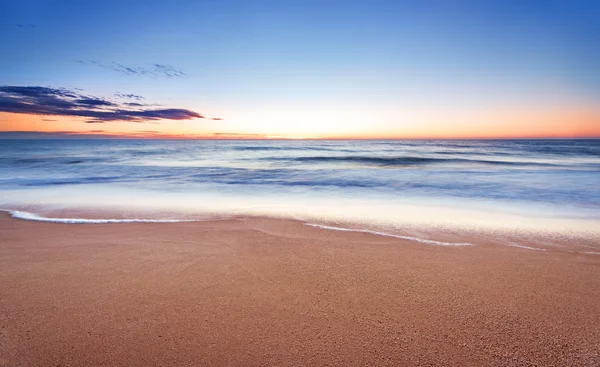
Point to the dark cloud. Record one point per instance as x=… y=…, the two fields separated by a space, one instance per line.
x=65 y=102
x=154 y=70
x=37 y=92
x=93 y=102
x=217 y=119
x=21 y=25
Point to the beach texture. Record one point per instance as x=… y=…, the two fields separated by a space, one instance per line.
x=259 y=292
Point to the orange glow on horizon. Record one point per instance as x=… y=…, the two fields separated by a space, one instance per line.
x=549 y=122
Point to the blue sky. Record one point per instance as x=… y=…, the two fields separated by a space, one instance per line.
x=241 y=57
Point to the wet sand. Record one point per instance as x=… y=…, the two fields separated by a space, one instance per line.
x=260 y=292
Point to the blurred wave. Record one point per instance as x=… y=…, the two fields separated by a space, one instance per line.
x=555 y=178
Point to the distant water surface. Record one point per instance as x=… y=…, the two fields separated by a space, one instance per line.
x=472 y=182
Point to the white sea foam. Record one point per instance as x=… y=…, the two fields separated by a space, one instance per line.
x=409 y=238
x=314 y=206
x=34 y=217
x=526 y=247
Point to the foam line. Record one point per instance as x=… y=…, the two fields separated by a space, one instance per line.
x=526 y=247
x=34 y=217
x=429 y=242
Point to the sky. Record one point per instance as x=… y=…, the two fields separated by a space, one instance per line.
x=301 y=69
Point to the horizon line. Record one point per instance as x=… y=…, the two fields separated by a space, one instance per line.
x=46 y=135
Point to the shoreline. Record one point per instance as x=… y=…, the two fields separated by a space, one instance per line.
x=442 y=235
x=320 y=207
x=264 y=291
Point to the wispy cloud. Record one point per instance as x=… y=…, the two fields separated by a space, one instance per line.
x=129 y=96
x=22 y=25
x=153 y=70
x=36 y=100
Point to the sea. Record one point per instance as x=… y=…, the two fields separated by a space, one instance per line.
x=524 y=185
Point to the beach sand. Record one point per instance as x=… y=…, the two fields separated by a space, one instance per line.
x=259 y=292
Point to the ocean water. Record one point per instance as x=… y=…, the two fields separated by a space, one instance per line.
x=514 y=184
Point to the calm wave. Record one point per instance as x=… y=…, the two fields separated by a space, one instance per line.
x=543 y=178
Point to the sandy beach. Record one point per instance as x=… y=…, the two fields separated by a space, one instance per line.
x=260 y=292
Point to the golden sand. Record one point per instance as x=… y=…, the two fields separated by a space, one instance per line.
x=276 y=292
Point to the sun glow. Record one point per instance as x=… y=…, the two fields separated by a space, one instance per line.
x=340 y=123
